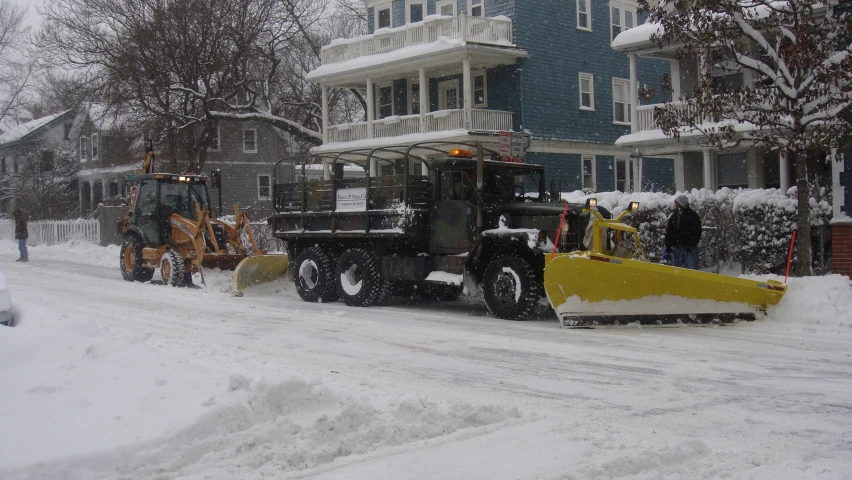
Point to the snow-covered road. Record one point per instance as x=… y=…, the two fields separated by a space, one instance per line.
x=108 y=379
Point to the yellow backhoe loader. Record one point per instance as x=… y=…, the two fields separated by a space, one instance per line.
x=169 y=226
x=613 y=283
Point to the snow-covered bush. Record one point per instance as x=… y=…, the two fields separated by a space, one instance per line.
x=750 y=227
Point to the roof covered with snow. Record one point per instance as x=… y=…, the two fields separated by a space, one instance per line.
x=636 y=37
x=18 y=132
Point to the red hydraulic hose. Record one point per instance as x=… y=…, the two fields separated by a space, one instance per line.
x=790 y=256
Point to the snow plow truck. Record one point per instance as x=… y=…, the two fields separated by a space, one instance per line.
x=363 y=225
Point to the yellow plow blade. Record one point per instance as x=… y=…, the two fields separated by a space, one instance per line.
x=259 y=269
x=583 y=284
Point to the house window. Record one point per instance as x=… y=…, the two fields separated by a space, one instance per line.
x=584 y=20
x=15 y=167
x=384 y=101
x=732 y=170
x=264 y=187
x=94 y=146
x=250 y=140
x=589 y=176
x=383 y=16
x=214 y=139
x=46 y=161
x=621 y=17
x=621 y=107
x=476 y=8
x=448 y=95
x=67 y=131
x=113 y=189
x=622 y=174
x=413 y=98
x=480 y=91
x=415 y=11
x=3 y=165
x=587 y=91
x=447 y=7
x=84 y=147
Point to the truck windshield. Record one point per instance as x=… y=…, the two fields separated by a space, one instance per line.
x=181 y=198
x=511 y=184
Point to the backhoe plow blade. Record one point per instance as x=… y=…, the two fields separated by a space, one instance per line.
x=259 y=269
x=594 y=289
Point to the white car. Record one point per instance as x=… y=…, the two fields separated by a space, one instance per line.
x=7 y=313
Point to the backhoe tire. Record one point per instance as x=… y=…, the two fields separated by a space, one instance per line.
x=510 y=286
x=131 y=262
x=172 y=269
x=359 y=280
x=314 y=275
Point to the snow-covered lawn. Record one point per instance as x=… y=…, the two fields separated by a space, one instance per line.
x=109 y=379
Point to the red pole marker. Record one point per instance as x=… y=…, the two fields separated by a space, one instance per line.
x=559 y=232
x=790 y=256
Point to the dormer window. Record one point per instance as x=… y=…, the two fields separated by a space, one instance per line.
x=414 y=11
x=477 y=8
x=383 y=16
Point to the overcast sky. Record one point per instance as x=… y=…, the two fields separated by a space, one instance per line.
x=33 y=17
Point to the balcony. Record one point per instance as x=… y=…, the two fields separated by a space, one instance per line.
x=439 y=121
x=493 y=31
x=646 y=118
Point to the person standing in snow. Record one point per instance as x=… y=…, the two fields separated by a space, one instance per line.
x=21 y=234
x=683 y=232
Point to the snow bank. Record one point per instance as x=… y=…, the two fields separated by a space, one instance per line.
x=79 y=251
x=816 y=305
x=275 y=428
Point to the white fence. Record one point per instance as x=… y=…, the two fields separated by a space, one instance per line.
x=51 y=232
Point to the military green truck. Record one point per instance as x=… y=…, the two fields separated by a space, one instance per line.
x=366 y=224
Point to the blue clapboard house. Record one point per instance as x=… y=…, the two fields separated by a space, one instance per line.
x=466 y=70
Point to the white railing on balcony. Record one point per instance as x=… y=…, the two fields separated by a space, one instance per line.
x=647 y=119
x=440 y=121
x=497 y=31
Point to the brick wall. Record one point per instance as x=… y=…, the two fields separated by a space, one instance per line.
x=841 y=245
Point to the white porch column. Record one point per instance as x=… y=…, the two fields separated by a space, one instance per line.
x=783 y=170
x=424 y=99
x=637 y=173
x=675 y=74
x=708 y=169
x=468 y=93
x=680 y=178
x=371 y=108
x=634 y=95
x=838 y=194
x=374 y=168
x=324 y=114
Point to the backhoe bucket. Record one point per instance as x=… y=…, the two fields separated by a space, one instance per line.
x=590 y=288
x=259 y=269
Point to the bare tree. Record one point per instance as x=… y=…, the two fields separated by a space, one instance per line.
x=40 y=179
x=15 y=69
x=189 y=63
x=797 y=52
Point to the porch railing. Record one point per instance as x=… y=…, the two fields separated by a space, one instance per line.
x=439 y=121
x=497 y=31
x=52 y=232
x=647 y=118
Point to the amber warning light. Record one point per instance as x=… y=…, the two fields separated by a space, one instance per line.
x=461 y=153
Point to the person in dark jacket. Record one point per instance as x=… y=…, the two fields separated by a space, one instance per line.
x=21 y=234
x=683 y=232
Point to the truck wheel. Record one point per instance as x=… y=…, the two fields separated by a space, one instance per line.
x=510 y=287
x=131 y=260
x=359 y=281
x=172 y=269
x=315 y=276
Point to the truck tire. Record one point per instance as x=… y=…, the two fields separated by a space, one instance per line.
x=172 y=269
x=359 y=281
x=314 y=275
x=131 y=260
x=510 y=287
